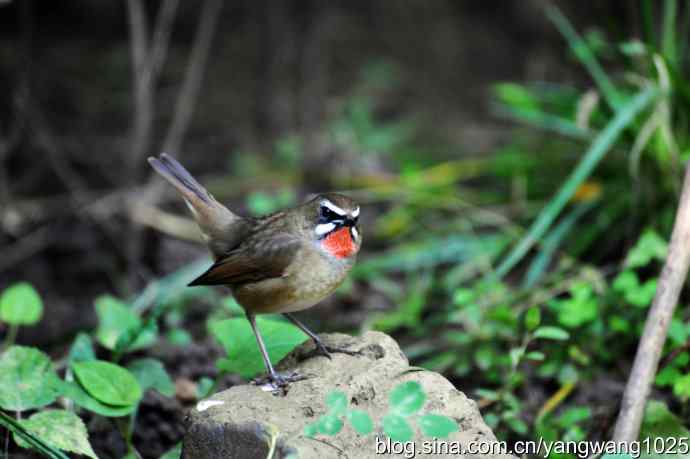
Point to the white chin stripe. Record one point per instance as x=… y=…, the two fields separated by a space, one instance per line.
x=355 y=213
x=324 y=228
x=333 y=207
x=355 y=233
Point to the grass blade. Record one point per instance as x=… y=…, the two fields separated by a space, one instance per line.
x=551 y=243
x=42 y=447
x=586 y=57
x=599 y=147
x=668 y=32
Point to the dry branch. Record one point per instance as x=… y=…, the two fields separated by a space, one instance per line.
x=656 y=327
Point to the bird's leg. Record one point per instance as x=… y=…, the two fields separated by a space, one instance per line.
x=275 y=378
x=321 y=348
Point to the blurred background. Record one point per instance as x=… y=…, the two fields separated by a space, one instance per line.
x=457 y=125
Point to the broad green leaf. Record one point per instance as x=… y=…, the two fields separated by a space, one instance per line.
x=649 y=247
x=397 y=428
x=643 y=295
x=27 y=379
x=549 y=332
x=407 y=398
x=336 y=402
x=137 y=337
x=81 y=349
x=361 y=421
x=179 y=337
x=575 y=312
x=243 y=354
x=20 y=304
x=532 y=318
x=60 y=428
x=659 y=422
x=115 y=319
x=173 y=453
x=330 y=424
x=535 y=355
x=311 y=429
x=435 y=425
x=574 y=415
x=150 y=373
x=107 y=382
x=625 y=281
x=79 y=396
x=681 y=387
x=204 y=387
x=17 y=429
x=668 y=376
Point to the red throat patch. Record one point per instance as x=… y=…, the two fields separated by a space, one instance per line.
x=339 y=243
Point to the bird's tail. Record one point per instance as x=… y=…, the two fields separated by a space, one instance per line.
x=213 y=217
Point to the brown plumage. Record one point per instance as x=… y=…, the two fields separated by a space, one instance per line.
x=280 y=263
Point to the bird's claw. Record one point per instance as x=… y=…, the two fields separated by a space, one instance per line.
x=277 y=382
x=327 y=351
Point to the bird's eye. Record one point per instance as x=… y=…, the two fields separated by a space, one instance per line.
x=328 y=215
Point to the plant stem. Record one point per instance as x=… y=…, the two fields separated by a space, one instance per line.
x=11 y=336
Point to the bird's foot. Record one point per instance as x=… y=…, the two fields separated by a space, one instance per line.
x=326 y=351
x=278 y=382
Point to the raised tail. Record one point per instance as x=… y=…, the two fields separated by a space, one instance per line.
x=214 y=219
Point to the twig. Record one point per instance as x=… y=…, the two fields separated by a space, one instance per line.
x=656 y=327
x=189 y=93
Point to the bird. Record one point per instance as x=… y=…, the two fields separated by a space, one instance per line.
x=280 y=263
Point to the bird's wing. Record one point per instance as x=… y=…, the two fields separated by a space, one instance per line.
x=252 y=261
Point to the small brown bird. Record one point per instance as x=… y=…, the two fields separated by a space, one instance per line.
x=281 y=263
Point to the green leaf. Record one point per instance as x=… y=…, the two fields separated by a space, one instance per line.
x=20 y=304
x=173 y=453
x=668 y=376
x=115 y=320
x=81 y=349
x=361 y=421
x=681 y=387
x=532 y=318
x=407 y=398
x=643 y=295
x=330 y=424
x=107 y=382
x=553 y=333
x=625 y=281
x=435 y=425
x=535 y=355
x=397 y=428
x=20 y=431
x=204 y=387
x=150 y=373
x=659 y=422
x=79 y=396
x=574 y=313
x=60 y=428
x=239 y=342
x=572 y=416
x=179 y=337
x=649 y=247
x=311 y=429
x=27 y=379
x=336 y=402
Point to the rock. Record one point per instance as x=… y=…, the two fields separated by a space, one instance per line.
x=248 y=422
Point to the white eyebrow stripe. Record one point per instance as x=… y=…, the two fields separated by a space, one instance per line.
x=355 y=213
x=333 y=207
x=324 y=228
